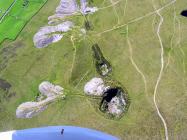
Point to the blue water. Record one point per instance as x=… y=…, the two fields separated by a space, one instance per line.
x=54 y=133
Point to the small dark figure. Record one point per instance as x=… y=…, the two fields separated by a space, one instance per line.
x=62 y=131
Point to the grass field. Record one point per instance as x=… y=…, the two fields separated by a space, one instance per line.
x=4 y=6
x=135 y=55
x=14 y=16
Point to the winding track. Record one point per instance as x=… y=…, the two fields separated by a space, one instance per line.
x=135 y=65
x=160 y=75
x=137 y=19
x=115 y=11
x=156 y=11
x=161 y=72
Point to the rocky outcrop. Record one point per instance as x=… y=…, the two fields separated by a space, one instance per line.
x=48 y=89
x=95 y=87
x=31 y=109
x=54 y=33
x=85 y=9
x=44 y=36
x=65 y=8
x=114 y=99
x=114 y=102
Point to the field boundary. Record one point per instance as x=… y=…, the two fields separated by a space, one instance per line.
x=7 y=11
x=26 y=22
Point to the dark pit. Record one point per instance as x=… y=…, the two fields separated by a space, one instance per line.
x=103 y=67
x=184 y=13
x=114 y=102
x=110 y=93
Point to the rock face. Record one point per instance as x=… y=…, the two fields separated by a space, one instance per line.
x=48 y=89
x=113 y=102
x=44 y=36
x=115 y=99
x=85 y=9
x=65 y=8
x=95 y=87
x=31 y=109
x=54 y=33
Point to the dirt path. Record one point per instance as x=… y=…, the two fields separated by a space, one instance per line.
x=135 y=65
x=161 y=72
x=136 y=19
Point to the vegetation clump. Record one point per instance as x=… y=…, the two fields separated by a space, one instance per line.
x=4 y=85
x=25 y=3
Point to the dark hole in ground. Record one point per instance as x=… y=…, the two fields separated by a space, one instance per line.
x=184 y=13
x=110 y=93
x=4 y=84
x=108 y=96
x=103 y=67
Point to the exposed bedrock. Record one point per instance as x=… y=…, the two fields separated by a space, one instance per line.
x=95 y=87
x=48 y=89
x=65 y=8
x=44 y=36
x=114 y=101
x=54 y=33
x=31 y=109
x=85 y=9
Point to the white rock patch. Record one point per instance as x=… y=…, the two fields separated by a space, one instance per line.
x=48 y=89
x=31 y=109
x=44 y=36
x=54 y=33
x=95 y=87
x=114 y=106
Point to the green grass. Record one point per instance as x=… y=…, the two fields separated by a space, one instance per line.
x=4 y=6
x=17 y=17
x=27 y=66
